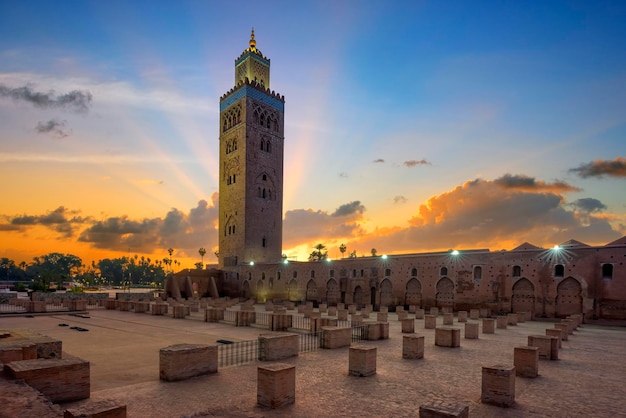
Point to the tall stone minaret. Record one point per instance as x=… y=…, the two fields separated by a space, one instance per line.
x=251 y=164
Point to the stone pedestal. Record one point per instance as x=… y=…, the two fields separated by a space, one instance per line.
x=281 y=322
x=485 y=313
x=110 y=304
x=488 y=325
x=408 y=326
x=362 y=360
x=553 y=332
x=182 y=361
x=412 y=308
x=444 y=409
x=412 y=346
x=471 y=330
x=448 y=337
x=565 y=330
x=430 y=321
x=571 y=325
x=521 y=317
x=434 y=311
x=511 y=319
x=276 y=385
x=97 y=409
x=474 y=314
x=548 y=346
x=323 y=308
x=278 y=346
x=501 y=322
x=336 y=337
x=526 y=361
x=448 y=319
x=159 y=308
x=178 y=312
x=332 y=311
x=498 y=385
x=213 y=314
x=402 y=315
x=352 y=309
x=381 y=316
x=419 y=314
x=342 y=314
x=462 y=316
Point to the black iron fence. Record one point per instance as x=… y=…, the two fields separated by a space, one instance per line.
x=236 y=353
x=300 y=322
x=360 y=333
x=310 y=341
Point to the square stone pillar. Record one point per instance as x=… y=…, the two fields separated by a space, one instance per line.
x=332 y=311
x=570 y=325
x=419 y=314
x=408 y=326
x=381 y=316
x=511 y=319
x=489 y=325
x=526 y=361
x=501 y=322
x=474 y=314
x=448 y=337
x=471 y=330
x=564 y=329
x=412 y=308
x=352 y=309
x=182 y=361
x=362 y=361
x=342 y=314
x=323 y=308
x=461 y=316
x=178 y=311
x=399 y=308
x=341 y=306
x=383 y=309
x=444 y=409
x=356 y=319
x=402 y=315
x=521 y=317
x=412 y=346
x=434 y=311
x=485 y=313
x=276 y=385
x=548 y=346
x=498 y=385
x=553 y=332
x=448 y=319
x=430 y=321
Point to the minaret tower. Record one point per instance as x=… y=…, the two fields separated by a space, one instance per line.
x=251 y=165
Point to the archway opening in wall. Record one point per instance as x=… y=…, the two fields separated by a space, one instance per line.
x=386 y=293
x=373 y=297
x=292 y=291
x=359 y=297
x=333 y=295
x=413 y=294
x=261 y=293
x=245 y=290
x=311 y=291
x=445 y=293
x=569 y=299
x=523 y=296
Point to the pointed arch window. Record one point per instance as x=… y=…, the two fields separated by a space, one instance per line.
x=443 y=271
x=607 y=271
x=559 y=270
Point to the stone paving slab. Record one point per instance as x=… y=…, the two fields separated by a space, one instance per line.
x=586 y=381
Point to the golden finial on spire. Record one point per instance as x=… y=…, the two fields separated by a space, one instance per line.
x=252 y=41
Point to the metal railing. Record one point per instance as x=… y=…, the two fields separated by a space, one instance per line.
x=263 y=318
x=360 y=333
x=300 y=322
x=12 y=308
x=230 y=316
x=311 y=341
x=237 y=353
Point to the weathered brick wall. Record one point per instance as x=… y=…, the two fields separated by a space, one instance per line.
x=336 y=337
x=182 y=361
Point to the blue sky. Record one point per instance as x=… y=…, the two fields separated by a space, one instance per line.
x=410 y=126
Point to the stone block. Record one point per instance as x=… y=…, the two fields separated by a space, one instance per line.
x=471 y=330
x=178 y=312
x=362 y=360
x=384 y=330
x=448 y=319
x=402 y=315
x=336 y=337
x=278 y=346
x=489 y=325
x=400 y=308
x=356 y=319
x=412 y=308
x=412 y=346
x=434 y=311
x=461 y=316
x=332 y=311
x=430 y=321
x=553 y=332
x=501 y=322
x=110 y=304
x=565 y=330
x=571 y=325
x=342 y=314
x=408 y=326
x=60 y=380
x=474 y=314
x=498 y=385
x=182 y=361
x=485 y=313
x=159 y=308
x=419 y=314
x=97 y=409
x=382 y=316
x=548 y=346
x=17 y=351
x=444 y=409
x=341 y=306
x=511 y=319
x=526 y=361
x=448 y=337
x=352 y=309
x=276 y=385
x=384 y=309
x=213 y=314
x=521 y=317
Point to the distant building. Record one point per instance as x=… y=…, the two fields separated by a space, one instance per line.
x=568 y=279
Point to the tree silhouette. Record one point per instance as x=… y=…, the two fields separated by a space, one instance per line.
x=374 y=251
x=342 y=249
x=202 y=253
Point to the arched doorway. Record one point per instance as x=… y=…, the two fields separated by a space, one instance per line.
x=261 y=294
x=292 y=291
x=311 y=291
x=245 y=290
x=569 y=298
x=523 y=297
x=413 y=295
x=386 y=293
x=445 y=293
x=333 y=295
x=359 y=296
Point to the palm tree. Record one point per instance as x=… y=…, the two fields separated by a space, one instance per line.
x=342 y=249
x=374 y=251
x=202 y=252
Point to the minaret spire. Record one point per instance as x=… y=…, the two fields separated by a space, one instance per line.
x=252 y=41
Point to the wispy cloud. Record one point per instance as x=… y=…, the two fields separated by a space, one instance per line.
x=601 y=168
x=523 y=182
x=399 y=200
x=378 y=161
x=54 y=127
x=413 y=163
x=77 y=100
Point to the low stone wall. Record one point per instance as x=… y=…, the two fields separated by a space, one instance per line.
x=278 y=346
x=60 y=380
x=336 y=337
x=182 y=361
x=97 y=409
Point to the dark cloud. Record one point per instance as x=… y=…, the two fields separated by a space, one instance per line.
x=601 y=168
x=399 y=200
x=413 y=163
x=522 y=182
x=349 y=209
x=53 y=126
x=343 y=175
x=61 y=220
x=589 y=205
x=77 y=100
x=378 y=161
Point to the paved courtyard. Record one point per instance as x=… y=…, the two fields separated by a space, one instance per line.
x=588 y=380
